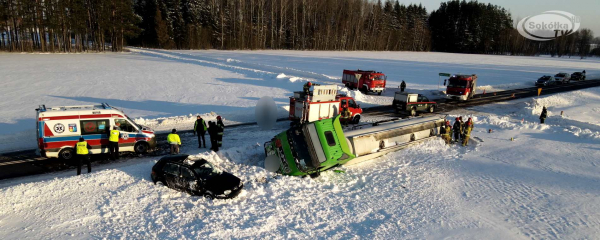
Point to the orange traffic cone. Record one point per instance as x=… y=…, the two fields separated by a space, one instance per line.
x=513 y=95
x=483 y=92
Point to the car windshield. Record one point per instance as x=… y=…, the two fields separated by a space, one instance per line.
x=456 y=83
x=560 y=75
x=207 y=170
x=133 y=122
x=577 y=73
x=545 y=78
x=379 y=77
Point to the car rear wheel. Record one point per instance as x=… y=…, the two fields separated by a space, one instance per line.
x=431 y=109
x=413 y=112
x=67 y=154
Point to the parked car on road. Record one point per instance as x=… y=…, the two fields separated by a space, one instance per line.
x=196 y=177
x=545 y=81
x=563 y=77
x=412 y=103
x=579 y=76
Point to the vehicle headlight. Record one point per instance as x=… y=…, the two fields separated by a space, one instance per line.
x=227 y=192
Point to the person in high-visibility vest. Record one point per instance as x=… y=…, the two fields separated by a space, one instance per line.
x=174 y=140
x=445 y=131
x=200 y=129
x=83 y=155
x=468 y=129
x=113 y=142
x=220 y=130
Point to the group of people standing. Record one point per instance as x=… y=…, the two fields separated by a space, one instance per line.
x=461 y=131
x=82 y=150
x=215 y=132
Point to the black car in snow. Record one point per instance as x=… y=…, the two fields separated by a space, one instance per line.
x=196 y=177
x=579 y=76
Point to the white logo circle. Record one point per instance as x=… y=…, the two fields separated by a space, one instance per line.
x=548 y=25
x=59 y=128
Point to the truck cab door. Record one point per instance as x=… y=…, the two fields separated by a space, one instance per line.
x=422 y=105
x=354 y=108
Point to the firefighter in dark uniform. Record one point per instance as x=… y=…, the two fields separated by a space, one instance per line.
x=346 y=116
x=83 y=155
x=468 y=129
x=213 y=133
x=221 y=130
x=306 y=88
x=544 y=115
x=445 y=131
x=457 y=129
x=462 y=128
x=113 y=143
x=402 y=86
x=200 y=129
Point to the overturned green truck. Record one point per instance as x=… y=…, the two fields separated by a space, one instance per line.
x=314 y=147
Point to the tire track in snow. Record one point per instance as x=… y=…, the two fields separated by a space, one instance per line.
x=237 y=66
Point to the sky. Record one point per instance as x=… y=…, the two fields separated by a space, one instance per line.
x=588 y=10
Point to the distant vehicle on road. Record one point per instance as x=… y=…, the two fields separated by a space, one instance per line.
x=563 y=77
x=579 y=76
x=364 y=80
x=196 y=177
x=546 y=81
x=412 y=103
x=461 y=87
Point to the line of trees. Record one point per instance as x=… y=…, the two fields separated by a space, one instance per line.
x=66 y=25
x=282 y=24
x=98 y=25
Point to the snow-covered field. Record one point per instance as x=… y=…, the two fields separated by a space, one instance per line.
x=165 y=89
x=542 y=185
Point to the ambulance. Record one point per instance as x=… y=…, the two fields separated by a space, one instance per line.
x=59 y=129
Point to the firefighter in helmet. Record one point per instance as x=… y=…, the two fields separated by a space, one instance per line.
x=82 y=149
x=446 y=130
x=457 y=129
x=467 y=131
x=307 y=88
x=346 y=116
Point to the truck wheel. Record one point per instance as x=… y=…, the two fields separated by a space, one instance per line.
x=431 y=109
x=141 y=148
x=66 y=154
x=413 y=112
x=315 y=175
x=356 y=119
x=379 y=93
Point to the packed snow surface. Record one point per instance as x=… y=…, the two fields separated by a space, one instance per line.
x=543 y=184
x=166 y=89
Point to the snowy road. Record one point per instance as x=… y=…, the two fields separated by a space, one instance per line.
x=542 y=185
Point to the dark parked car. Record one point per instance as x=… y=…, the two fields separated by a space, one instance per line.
x=196 y=177
x=412 y=103
x=579 y=76
x=545 y=81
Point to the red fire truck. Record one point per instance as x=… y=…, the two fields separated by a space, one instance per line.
x=461 y=87
x=322 y=103
x=364 y=80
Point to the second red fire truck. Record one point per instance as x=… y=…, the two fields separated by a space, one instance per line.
x=364 y=80
x=322 y=103
x=461 y=87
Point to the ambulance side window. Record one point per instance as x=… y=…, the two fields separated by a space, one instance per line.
x=124 y=125
x=93 y=126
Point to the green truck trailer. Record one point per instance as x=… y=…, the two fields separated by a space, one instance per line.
x=317 y=146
